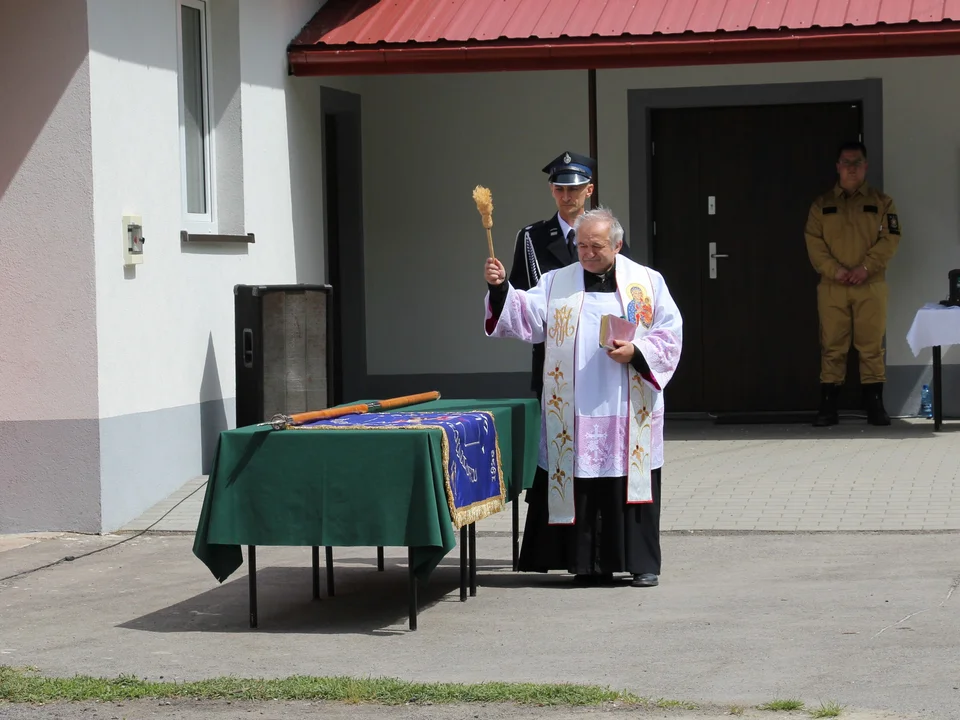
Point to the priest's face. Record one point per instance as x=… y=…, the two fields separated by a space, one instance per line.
x=594 y=249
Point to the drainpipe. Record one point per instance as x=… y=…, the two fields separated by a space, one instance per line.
x=592 y=128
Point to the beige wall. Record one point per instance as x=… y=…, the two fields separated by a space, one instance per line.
x=48 y=357
x=429 y=139
x=49 y=444
x=427 y=142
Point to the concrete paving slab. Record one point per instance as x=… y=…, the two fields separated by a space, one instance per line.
x=17 y=541
x=867 y=620
x=763 y=478
x=177 y=513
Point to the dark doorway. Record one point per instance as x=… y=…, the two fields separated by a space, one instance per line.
x=736 y=183
x=343 y=231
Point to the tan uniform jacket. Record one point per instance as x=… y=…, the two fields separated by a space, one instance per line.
x=862 y=229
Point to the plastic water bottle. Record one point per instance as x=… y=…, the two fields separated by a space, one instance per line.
x=926 y=402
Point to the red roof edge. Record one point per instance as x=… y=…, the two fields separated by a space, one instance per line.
x=876 y=41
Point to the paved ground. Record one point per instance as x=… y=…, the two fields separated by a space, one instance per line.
x=867 y=620
x=765 y=477
x=14 y=542
x=752 y=606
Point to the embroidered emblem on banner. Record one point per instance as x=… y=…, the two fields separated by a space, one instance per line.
x=639 y=309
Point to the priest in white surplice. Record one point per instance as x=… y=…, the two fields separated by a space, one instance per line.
x=594 y=509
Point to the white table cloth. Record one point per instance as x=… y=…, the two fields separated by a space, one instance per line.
x=934 y=325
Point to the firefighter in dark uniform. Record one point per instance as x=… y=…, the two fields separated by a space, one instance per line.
x=852 y=233
x=551 y=244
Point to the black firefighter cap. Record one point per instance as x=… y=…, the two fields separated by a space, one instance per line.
x=571 y=169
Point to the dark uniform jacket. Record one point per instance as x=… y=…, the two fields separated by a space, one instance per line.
x=540 y=248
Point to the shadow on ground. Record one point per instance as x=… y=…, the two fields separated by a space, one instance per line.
x=365 y=602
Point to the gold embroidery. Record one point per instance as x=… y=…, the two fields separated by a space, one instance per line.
x=561 y=328
x=639 y=453
x=563 y=442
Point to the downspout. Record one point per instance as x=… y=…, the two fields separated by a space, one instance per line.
x=592 y=129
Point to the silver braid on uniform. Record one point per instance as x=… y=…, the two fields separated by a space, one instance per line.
x=531 y=260
x=601 y=215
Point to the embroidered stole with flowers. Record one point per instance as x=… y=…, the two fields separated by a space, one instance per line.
x=563 y=315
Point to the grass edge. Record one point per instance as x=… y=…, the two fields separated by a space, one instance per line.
x=26 y=686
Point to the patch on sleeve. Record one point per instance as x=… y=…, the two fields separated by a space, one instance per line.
x=893 y=224
x=829 y=210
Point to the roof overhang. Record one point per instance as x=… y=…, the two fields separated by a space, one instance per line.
x=721 y=48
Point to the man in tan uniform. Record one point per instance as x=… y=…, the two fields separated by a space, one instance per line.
x=852 y=233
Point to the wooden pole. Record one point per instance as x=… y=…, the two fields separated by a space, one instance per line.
x=360 y=408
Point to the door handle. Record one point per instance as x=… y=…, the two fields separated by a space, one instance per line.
x=713 y=260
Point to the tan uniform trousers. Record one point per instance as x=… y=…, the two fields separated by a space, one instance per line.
x=862 y=311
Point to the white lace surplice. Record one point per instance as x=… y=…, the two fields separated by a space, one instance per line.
x=601 y=391
x=601 y=385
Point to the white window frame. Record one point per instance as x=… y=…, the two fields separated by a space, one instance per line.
x=198 y=222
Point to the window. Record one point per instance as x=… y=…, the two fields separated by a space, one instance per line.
x=195 y=135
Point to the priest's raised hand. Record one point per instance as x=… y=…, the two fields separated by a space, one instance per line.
x=494 y=272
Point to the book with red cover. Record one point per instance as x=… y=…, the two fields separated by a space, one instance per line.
x=615 y=328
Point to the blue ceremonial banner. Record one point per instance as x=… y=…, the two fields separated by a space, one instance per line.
x=473 y=476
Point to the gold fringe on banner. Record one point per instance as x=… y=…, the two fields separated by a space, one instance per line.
x=482 y=508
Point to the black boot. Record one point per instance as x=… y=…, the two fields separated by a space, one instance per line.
x=873 y=402
x=827 y=414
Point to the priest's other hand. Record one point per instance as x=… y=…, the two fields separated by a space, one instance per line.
x=623 y=352
x=493 y=272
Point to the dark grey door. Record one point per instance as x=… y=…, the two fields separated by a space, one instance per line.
x=731 y=190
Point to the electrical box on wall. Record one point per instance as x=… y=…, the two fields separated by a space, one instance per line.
x=132 y=240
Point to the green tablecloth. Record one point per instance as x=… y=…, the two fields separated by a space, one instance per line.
x=347 y=488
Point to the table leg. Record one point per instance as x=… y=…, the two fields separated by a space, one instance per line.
x=329 y=558
x=413 y=591
x=380 y=558
x=516 y=533
x=473 y=559
x=463 y=564
x=316 y=572
x=937 y=389
x=252 y=574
